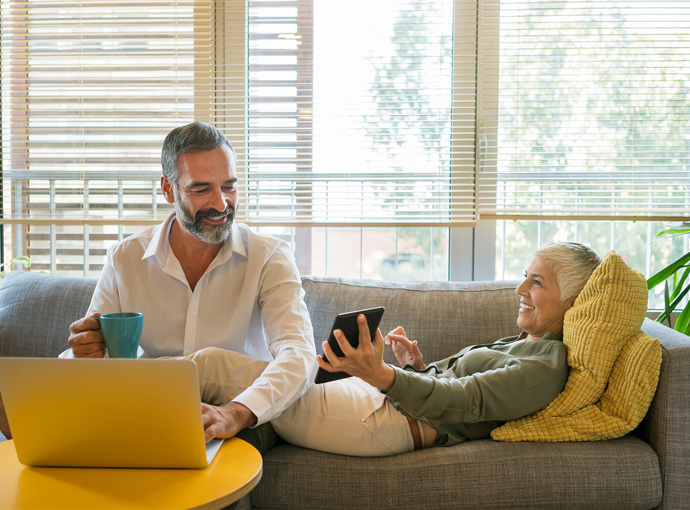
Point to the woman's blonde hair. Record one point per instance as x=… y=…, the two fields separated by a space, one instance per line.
x=572 y=263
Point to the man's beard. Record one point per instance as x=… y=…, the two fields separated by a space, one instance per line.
x=212 y=234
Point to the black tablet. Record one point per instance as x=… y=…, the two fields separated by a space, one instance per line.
x=347 y=323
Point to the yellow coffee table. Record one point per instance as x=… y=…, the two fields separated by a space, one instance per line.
x=234 y=472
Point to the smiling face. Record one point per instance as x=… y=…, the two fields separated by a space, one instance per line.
x=205 y=198
x=540 y=308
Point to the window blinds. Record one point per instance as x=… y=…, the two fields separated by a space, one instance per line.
x=336 y=120
x=589 y=118
x=90 y=89
x=568 y=110
x=359 y=120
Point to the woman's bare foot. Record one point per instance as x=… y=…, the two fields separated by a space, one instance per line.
x=4 y=425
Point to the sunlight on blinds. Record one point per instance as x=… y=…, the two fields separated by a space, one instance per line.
x=90 y=89
x=358 y=120
x=593 y=111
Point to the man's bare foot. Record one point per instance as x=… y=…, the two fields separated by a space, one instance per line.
x=4 y=425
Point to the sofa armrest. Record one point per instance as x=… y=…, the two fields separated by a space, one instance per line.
x=667 y=424
x=36 y=310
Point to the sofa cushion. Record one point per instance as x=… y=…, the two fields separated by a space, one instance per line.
x=622 y=473
x=614 y=366
x=36 y=310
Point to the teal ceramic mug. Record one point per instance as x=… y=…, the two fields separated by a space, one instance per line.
x=122 y=333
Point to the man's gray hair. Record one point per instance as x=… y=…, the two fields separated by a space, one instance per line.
x=194 y=137
x=572 y=263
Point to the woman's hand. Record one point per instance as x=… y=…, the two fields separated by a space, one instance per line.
x=365 y=362
x=407 y=352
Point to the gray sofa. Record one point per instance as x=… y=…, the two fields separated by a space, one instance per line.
x=649 y=468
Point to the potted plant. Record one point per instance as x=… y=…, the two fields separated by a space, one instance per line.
x=12 y=264
x=675 y=278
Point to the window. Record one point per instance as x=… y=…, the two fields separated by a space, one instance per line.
x=89 y=91
x=592 y=112
x=349 y=123
x=430 y=139
x=589 y=129
x=349 y=117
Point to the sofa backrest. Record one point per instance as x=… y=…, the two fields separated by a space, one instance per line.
x=36 y=310
x=442 y=316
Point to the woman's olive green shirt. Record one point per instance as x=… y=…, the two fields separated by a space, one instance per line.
x=476 y=390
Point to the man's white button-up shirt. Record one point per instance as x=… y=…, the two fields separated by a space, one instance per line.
x=249 y=300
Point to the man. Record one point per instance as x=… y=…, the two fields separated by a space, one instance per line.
x=202 y=281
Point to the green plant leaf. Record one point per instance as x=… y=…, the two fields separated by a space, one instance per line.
x=661 y=317
x=667 y=305
x=673 y=232
x=26 y=260
x=675 y=301
x=683 y=320
x=670 y=305
x=668 y=271
x=678 y=283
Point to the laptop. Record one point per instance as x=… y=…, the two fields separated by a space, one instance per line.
x=124 y=413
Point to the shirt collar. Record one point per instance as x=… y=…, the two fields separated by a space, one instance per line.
x=233 y=244
x=159 y=246
x=552 y=336
x=547 y=336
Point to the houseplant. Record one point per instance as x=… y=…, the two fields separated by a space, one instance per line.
x=675 y=278
x=11 y=264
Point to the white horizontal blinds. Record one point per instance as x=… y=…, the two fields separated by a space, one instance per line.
x=590 y=115
x=280 y=75
x=227 y=99
x=353 y=118
x=90 y=89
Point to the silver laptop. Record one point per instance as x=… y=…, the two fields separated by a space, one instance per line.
x=130 y=413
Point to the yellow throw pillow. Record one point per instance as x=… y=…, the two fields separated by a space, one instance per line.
x=614 y=366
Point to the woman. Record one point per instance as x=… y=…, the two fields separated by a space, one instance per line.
x=386 y=410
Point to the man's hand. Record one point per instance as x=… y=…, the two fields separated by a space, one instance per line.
x=225 y=421
x=85 y=340
x=407 y=352
x=365 y=362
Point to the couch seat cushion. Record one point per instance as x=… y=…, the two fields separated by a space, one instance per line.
x=622 y=473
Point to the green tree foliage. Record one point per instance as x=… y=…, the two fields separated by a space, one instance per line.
x=602 y=97
x=408 y=111
x=412 y=116
x=585 y=89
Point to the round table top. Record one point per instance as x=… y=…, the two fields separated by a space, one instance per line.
x=234 y=472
